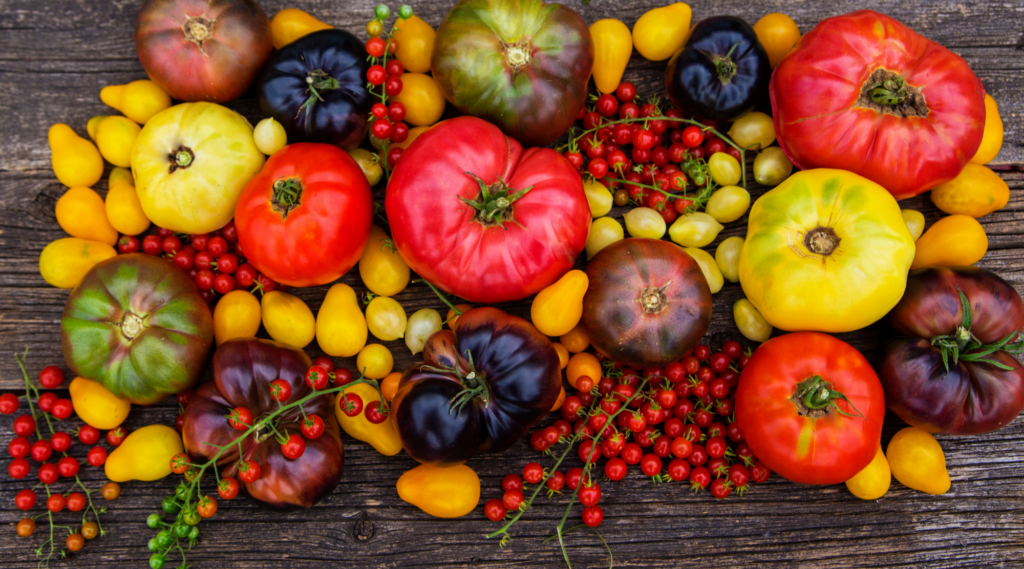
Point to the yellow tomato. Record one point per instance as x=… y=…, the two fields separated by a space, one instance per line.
x=772 y=167
x=291 y=24
x=661 y=32
x=583 y=363
x=144 y=455
x=64 y=262
x=598 y=197
x=917 y=461
x=80 y=212
x=389 y=385
x=423 y=100
x=873 y=482
x=695 y=229
x=415 y=44
x=977 y=191
x=369 y=163
x=724 y=169
x=603 y=232
x=992 y=139
x=381 y=267
x=269 y=136
x=728 y=204
x=557 y=309
x=340 y=324
x=115 y=137
x=122 y=204
x=727 y=257
x=750 y=322
x=563 y=354
x=237 y=315
x=560 y=400
x=576 y=340
x=288 y=319
x=707 y=265
x=422 y=324
x=138 y=100
x=386 y=318
x=915 y=222
x=753 y=129
x=613 y=44
x=375 y=361
x=644 y=222
x=954 y=241
x=75 y=160
x=450 y=492
x=381 y=436
x=778 y=34
x=97 y=406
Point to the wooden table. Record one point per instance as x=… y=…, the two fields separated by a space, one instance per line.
x=54 y=58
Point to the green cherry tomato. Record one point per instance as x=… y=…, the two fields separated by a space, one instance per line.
x=181 y=529
x=171 y=505
x=153 y=521
x=405 y=12
x=156 y=561
x=382 y=12
x=164 y=539
x=190 y=517
x=182 y=492
x=194 y=533
x=153 y=545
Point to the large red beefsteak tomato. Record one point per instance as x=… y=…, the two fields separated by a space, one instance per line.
x=305 y=218
x=863 y=92
x=480 y=217
x=810 y=407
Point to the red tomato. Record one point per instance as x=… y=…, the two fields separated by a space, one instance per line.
x=436 y=202
x=817 y=439
x=305 y=218
x=877 y=99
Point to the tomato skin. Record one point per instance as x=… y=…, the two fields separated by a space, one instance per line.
x=826 y=127
x=324 y=234
x=828 y=449
x=440 y=239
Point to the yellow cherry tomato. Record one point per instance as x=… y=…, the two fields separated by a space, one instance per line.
x=115 y=137
x=778 y=34
x=753 y=128
x=374 y=28
x=576 y=340
x=75 y=160
x=288 y=319
x=386 y=318
x=422 y=324
x=613 y=44
x=381 y=436
x=644 y=222
x=707 y=265
x=423 y=100
x=772 y=167
x=122 y=206
x=580 y=364
x=369 y=163
x=389 y=385
x=915 y=222
x=977 y=191
x=415 y=44
x=80 y=212
x=917 y=461
x=381 y=267
x=144 y=455
x=563 y=354
x=728 y=204
x=750 y=322
x=727 y=257
x=237 y=315
x=64 y=262
x=97 y=406
x=725 y=169
x=450 y=492
x=873 y=482
x=340 y=325
x=269 y=136
x=661 y=32
x=598 y=197
x=695 y=229
x=291 y=24
x=375 y=361
x=560 y=400
x=138 y=100
x=557 y=309
x=992 y=138
x=954 y=241
x=603 y=232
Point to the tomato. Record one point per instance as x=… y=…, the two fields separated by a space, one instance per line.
x=772 y=167
x=899 y=109
x=441 y=492
x=603 y=232
x=227 y=488
x=613 y=45
x=291 y=24
x=237 y=315
x=729 y=203
x=305 y=218
x=778 y=34
x=460 y=219
x=269 y=136
x=144 y=455
x=976 y=192
x=660 y=32
x=190 y=163
x=873 y=481
x=644 y=222
x=138 y=100
x=697 y=229
x=122 y=204
x=727 y=257
x=826 y=250
x=202 y=50
x=810 y=407
x=423 y=100
x=648 y=302
x=557 y=309
x=340 y=325
x=953 y=241
x=287 y=318
x=96 y=406
x=207 y=506
x=381 y=267
x=115 y=136
x=917 y=461
x=375 y=361
x=598 y=197
x=75 y=160
x=81 y=213
x=65 y=262
x=522 y=66
x=386 y=318
x=708 y=267
x=415 y=40
x=992 y=139
x=724 y=169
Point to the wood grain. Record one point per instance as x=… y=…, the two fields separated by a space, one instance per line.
x=56 y=55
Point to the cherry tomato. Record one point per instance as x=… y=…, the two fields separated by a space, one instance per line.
x=240 y=418
x=76 y=501
x=759 y=472
x=24 y=425
x=280 y=390
x=41 y=450
x=18 y=468
x=699 y=478
x=9 y=403
x=573 y=477
x=110 y=491
x=625 y=92
x=26 y=527
x=511 y=499
x=55 y=503
x=96 y=456
x=629 y=111
x=206 y=507
x=227 y=488
x=494 y=510
x=248 y=471
x=60 y=441
x=721 y=488
x=351 y=404
x=556 y=481
x=48 y=473
x=68 y=467
x=699 y=456
x=25 y=499
x=116 y=436
x=589 y=494
x=533 y=473
x=294 y=447
x=374 y=414
x=678 y=469
x=375 y=47
x=607 y=105
x=51 y=377
x=62 y=408
x=593 y=516
x=312 y=427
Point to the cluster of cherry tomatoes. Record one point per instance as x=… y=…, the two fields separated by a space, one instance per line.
x=386 y=74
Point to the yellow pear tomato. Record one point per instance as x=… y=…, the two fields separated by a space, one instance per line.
x=115 y=136
x=915 y=222
x=287 y=319
x=291 y=24
x=917 y=461
x=386 y=318
x=382 y=269
x=381 y=436
x=269 y=136
x=124 y=211
x=375 y=361
x=708 y=266
x=603 y=232
x=97 y=406
x=826 y=250
x=576 y=340
x=144 y=455
x=557 y=309
x=80 y=212
x=415 y=44
x=661 y=32
x=450 y=492
x=598 y=197
x=583 y=363
x=340 y=325
x=953 y=241
x=64 y=262
x=778 y=34
x=992 y=137
x=613 y=44
x=423 y=100
x=138 y=100
x=75 y=160
x=873 y=482
x=237 y=315
x=696 y=229
x=977 y=191
x=727 y=257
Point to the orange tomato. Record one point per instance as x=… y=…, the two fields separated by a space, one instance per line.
x=563 y=354
x=389 y=385
x=558 y=402
x=576 y=340
x=452 y=318
x=581 y=364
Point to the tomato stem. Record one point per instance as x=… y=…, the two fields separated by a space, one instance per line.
x=963 y=345
x=814 y=397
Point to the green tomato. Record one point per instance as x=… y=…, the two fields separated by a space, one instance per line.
x=695 y=229
x=724 y=169
x=599 y=198
x=382 y=12
x=368 y=163
x=190 y=517
x=180 y=529
x=753 y=128
x=405 y=12
x=644 y=222
x=771 y=167
x=156 y=561
x=164 y=539
x=750 y=322
x=269 y=136
x=603 y=232
x=171 y=505
x=182 y=492
x=728 y=204
x=193 y=534
x=153 y=545
x=727 y=256
x=708 y=267
x=153 y=521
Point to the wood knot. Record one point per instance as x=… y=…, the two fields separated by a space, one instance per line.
x=363 y=529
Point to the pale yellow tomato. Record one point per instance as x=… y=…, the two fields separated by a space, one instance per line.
x=644 y=222
x=724 y=169
x=603 y=232
x=728 y=204
x=598 y=197
x=422 y=324
x=752 y=130
x=269 y=136
x=369 y=163
x=727 y=256
x=707 y=265
x=386 y=318
x=772 y=167
x=750 y=322
x=695 y=229
x=915 y=222
x=375 y=361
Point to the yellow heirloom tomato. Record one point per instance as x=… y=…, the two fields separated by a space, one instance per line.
x=954 y=241
x=144 y=455
x=660 y=32
x=369 y=163
x=64 y=262
x=291 y=24
x=557 y=309
x=423 y=100
x=917 y=461
x=80 y=212
x=613 y=44
x=340 y=325
x=287 y=319
x=138 y=100
x=122 y=204
x=873 y=482
x=695 y=229
x=750 y=322
x=191 y=162
x=237 y=315
x=381 y=267
x=381 y=436
x=992 y=137
x=415 y=44
x=727 y=257
x=977 y=191
x=97 y=406
x=449 y=492
x=75 y=160
x=826 y=250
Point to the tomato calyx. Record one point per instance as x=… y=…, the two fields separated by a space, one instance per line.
x=493 y=204
x=287 y=195
x=725 y=65
x=198 y=29
x=887 y=92
x=963 y=345
x=814 y=397
x=517 y=55
x=474 y=384
x=317 y=80
x=181 y=158
x=653 y=299
x=821 y=241
x=131 y=325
